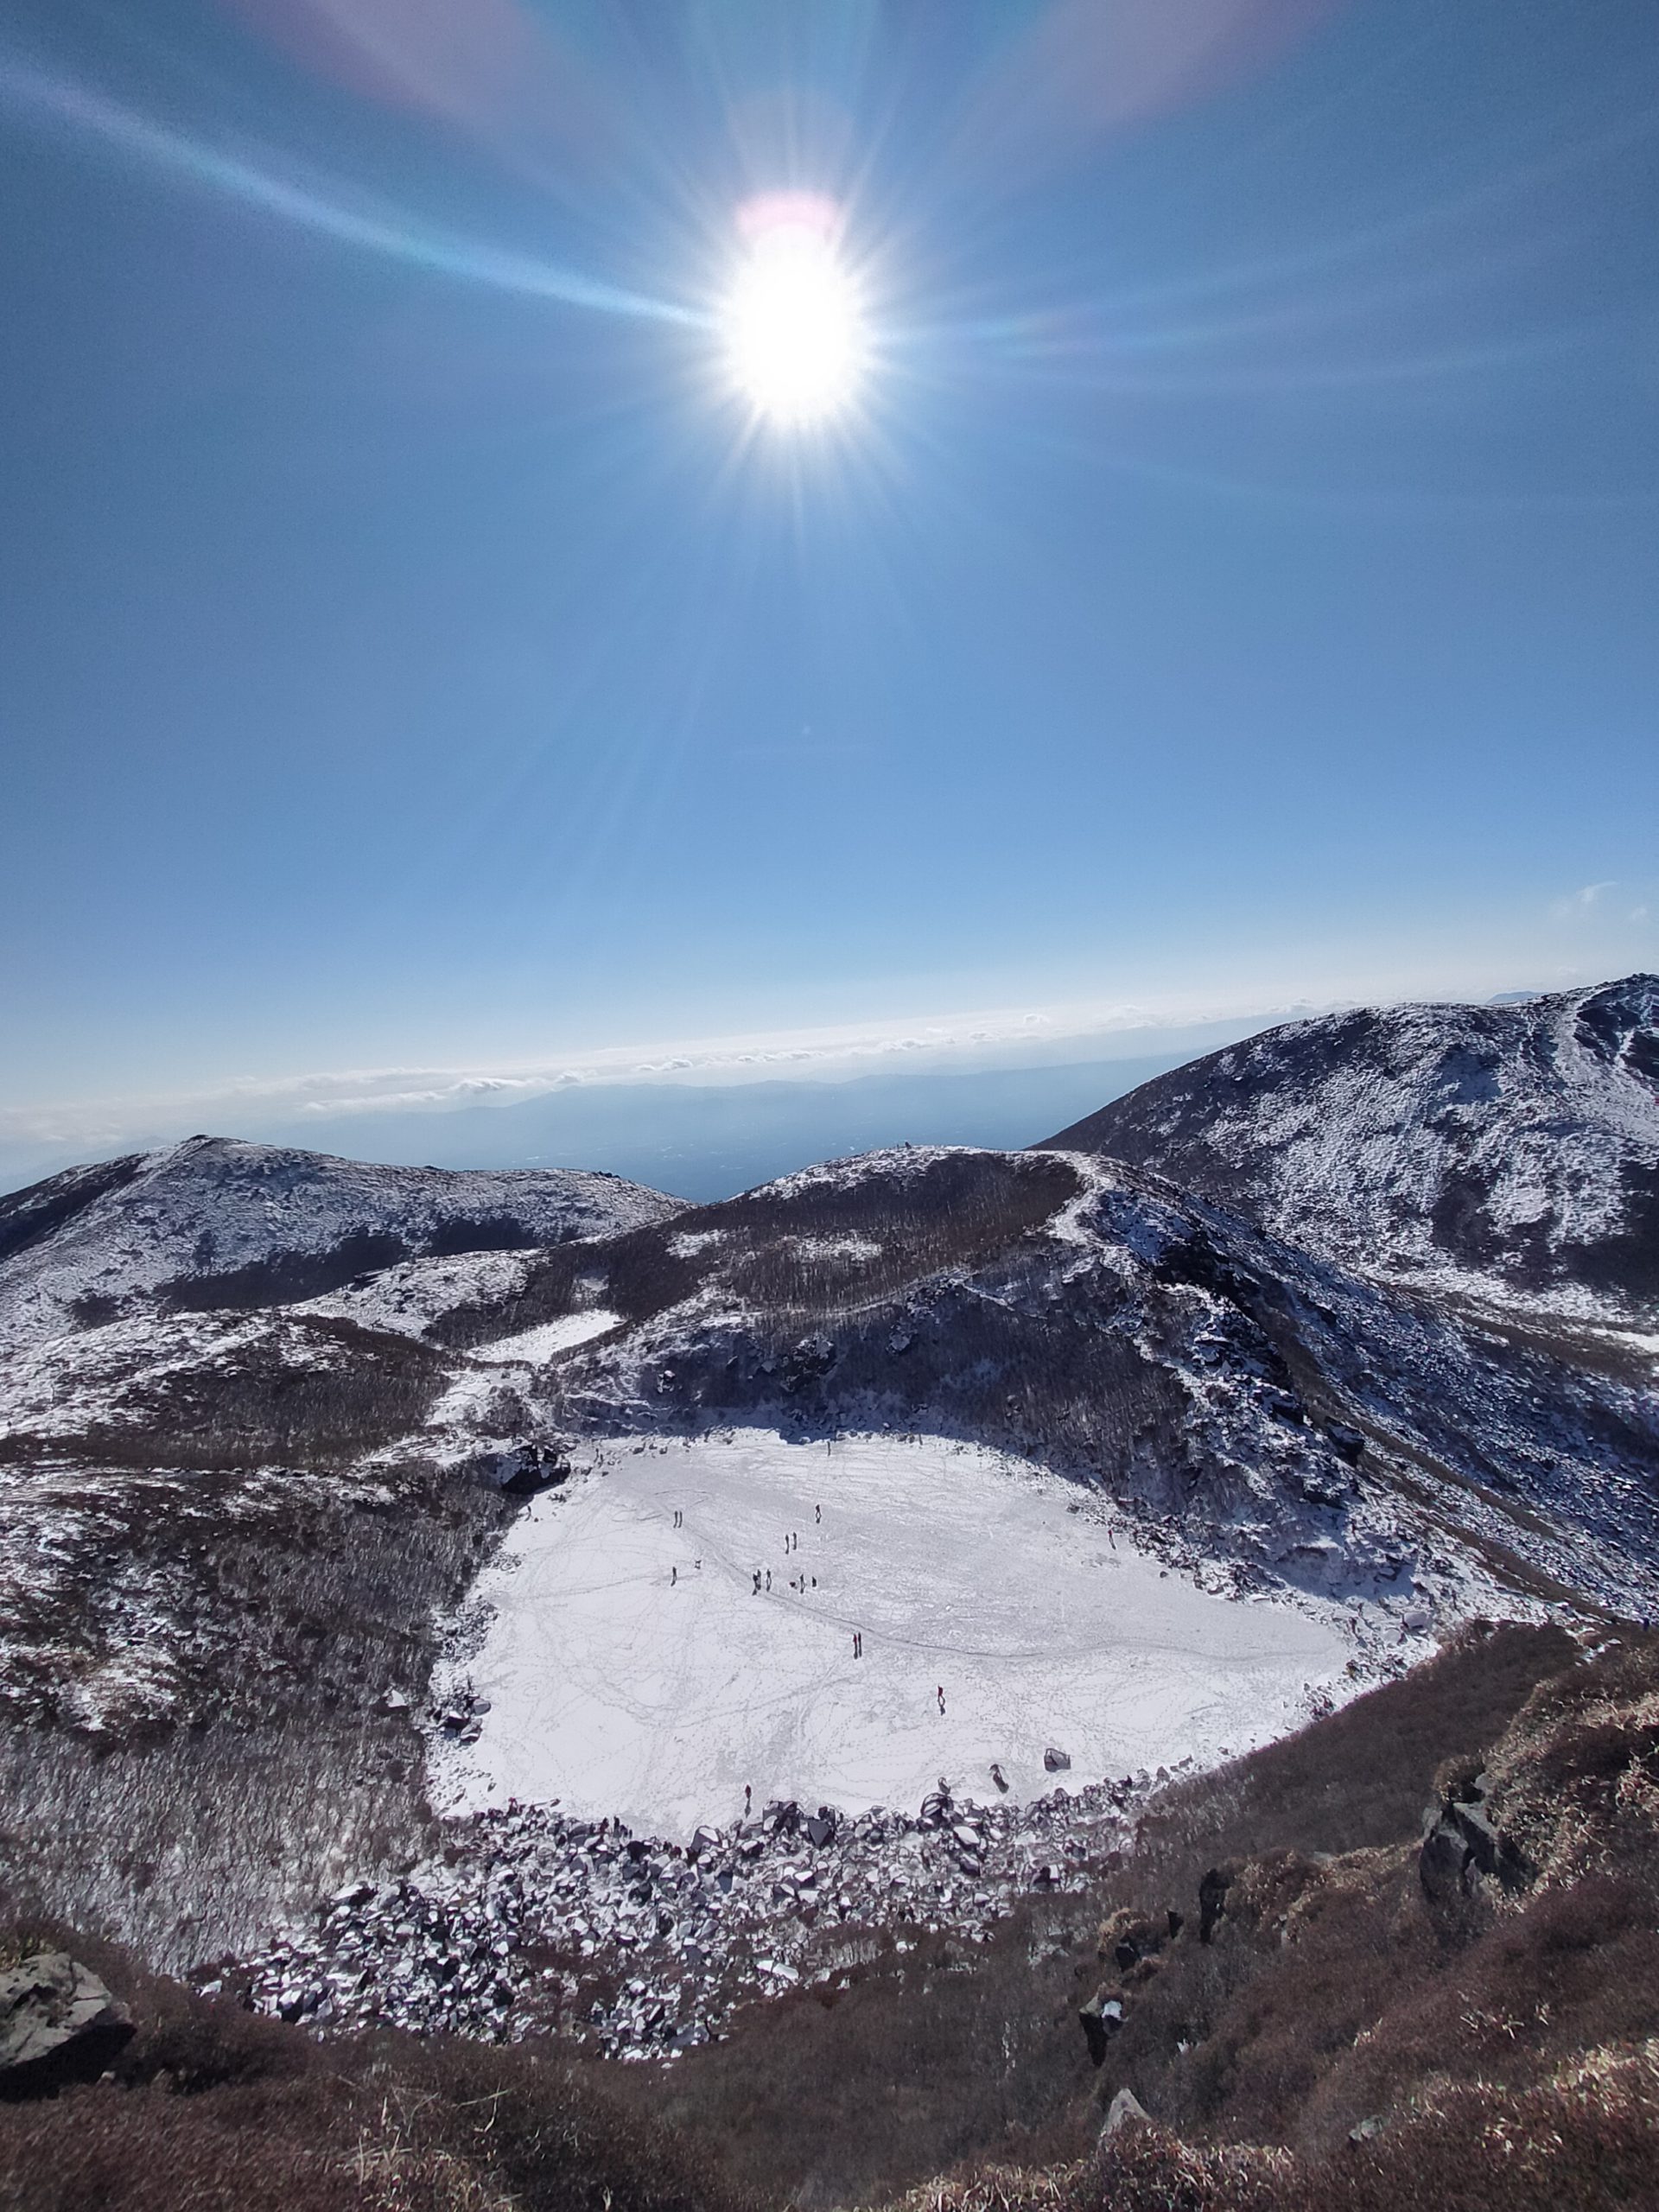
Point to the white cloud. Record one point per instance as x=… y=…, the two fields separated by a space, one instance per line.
x=1581 y=901
x=1082 y=1031
x=1173 y=1021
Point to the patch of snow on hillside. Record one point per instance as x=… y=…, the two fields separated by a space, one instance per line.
x=409 y=1297
x=831 y=1247
x=632 y=1670
x=533 y=1346
x=72 y=1382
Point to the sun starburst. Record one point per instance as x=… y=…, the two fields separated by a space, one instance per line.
x=794 y=323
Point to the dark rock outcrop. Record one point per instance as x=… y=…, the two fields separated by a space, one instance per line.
x=1212 y=1901
x=1461 y=1848
x=1100 y=2020
x=58 y=2024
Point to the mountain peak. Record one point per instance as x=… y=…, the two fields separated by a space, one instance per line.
x=1517 y=1144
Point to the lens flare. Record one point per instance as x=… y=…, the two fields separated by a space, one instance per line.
x=793 y=326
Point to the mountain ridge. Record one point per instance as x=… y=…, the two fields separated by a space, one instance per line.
x=217 y=1221
x=1511 y=1149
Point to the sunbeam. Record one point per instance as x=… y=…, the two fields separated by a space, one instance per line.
x=385 y=232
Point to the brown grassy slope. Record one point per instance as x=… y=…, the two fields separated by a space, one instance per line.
x=212 y=2110
x=1506 y=2043
x=1334 y=1988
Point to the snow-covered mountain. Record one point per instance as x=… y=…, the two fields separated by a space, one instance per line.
x=214 y=1223
x=258 y=1412
x=1510 y=1149
x=1263 y=1407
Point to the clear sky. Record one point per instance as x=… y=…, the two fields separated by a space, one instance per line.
x=1232 y=582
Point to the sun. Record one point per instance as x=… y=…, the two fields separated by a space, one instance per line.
x=792 y=325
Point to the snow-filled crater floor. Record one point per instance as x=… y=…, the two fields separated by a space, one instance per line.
x=634 y=1669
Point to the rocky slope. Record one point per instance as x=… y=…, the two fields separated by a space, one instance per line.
x=1506 y=1149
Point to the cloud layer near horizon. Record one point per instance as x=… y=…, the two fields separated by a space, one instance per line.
x=1002 y=1037
x=962 y=1042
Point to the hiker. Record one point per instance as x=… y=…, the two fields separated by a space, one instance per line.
x=748 y=1799
x=768 y=1578
x=673 y=1576
x=817 y=1513
x=941 y=1698
x=757 y=1582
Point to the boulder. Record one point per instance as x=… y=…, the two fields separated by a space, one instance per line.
x=522 y=1470
x=58 y=2024
x=1441 y=1861
x=1460 y=1845
x=1056 y=1761
x=1126 y=2110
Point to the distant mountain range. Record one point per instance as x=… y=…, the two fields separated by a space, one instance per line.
x=215 y=1224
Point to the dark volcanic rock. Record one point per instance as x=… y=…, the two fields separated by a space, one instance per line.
x=58 y=2024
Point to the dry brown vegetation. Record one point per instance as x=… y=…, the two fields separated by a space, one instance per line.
x=209 y=2107
x=892 y=1225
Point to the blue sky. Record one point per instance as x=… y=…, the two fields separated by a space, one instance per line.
x=1235 y=586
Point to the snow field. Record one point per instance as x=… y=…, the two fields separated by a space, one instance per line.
x=547 y=1338
x=633 y=1670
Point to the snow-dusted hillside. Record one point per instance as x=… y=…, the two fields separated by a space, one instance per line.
x=1264 y=1409
x=214 y=1223
x=1267 y=1409
x=1507 y=1146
